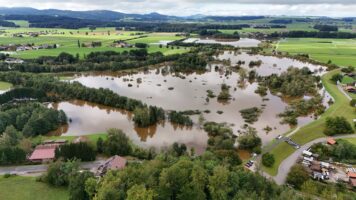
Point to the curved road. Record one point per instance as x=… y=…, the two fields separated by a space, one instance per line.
x=287 y=163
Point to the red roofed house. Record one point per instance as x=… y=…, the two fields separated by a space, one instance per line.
x=113 y=163
x=43 y=153
x=352 y=178
x=331 y=141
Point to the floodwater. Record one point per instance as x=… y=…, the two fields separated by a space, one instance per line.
x=270 y=64
x=243 y=42
x=184 y=92
x=88 y=118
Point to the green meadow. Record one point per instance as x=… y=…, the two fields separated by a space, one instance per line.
x=339 y=51
x=18 y=187
x=67 y=41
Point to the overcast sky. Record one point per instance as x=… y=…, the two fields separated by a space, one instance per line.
x=335 y=8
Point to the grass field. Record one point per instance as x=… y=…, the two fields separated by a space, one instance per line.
x=15 y=188
x=315 y=129
x=92 y=138
x=68 y=41
x=352 y=140
x=340 y=51
x=5 y=85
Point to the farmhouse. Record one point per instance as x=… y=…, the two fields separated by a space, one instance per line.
x=113 y=163
x=43 y=153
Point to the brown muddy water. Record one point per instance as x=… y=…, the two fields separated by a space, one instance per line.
x=88 y=118
x=154 y=87
x=243 y=42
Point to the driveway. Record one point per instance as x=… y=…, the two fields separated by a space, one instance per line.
x=287 y=163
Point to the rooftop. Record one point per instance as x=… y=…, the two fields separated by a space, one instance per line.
x=331 y=141
x=43 y=152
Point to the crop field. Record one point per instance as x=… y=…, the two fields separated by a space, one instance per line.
x=67 y=41
x=18 y=187
x=339 y=51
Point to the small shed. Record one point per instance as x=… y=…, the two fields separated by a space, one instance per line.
x=331 y=141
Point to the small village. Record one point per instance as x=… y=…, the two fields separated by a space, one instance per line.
x=327 y=171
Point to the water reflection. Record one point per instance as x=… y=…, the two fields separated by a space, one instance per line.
x=243 y=42
x=180 y=92
x=87 y=118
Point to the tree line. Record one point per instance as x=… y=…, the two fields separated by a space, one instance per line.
x=312 y=34
x=96 y=61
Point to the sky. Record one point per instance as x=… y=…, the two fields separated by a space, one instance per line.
x=332 y=8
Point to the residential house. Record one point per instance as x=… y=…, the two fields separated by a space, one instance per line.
x=113 y=163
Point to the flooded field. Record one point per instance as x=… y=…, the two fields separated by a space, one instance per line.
x=243 y=42
x=185 y=92
x=88 y=118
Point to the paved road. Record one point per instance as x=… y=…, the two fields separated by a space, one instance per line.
x=38 y=169
x=287 y=163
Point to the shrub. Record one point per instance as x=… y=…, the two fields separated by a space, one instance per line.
x=337 y=125
x=81 y=151
x=297 y=176
x=336 y=77
x=117 y=143
x=353 y=102
x=268 y=159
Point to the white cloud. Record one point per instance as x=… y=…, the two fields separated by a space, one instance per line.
x=208 y=7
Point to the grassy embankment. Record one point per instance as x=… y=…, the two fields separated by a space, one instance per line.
x=68 y=41
x=315 y=129
x=17 y=187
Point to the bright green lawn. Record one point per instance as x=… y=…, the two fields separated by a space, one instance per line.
x=26 y=188
x=352 y=140
x=67 y=41
x=92 y=138
x=5 y=85
x=315 y=129
x=340 y=51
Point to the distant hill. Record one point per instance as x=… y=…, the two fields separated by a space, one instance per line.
x=102 y=15
x=107 y=15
